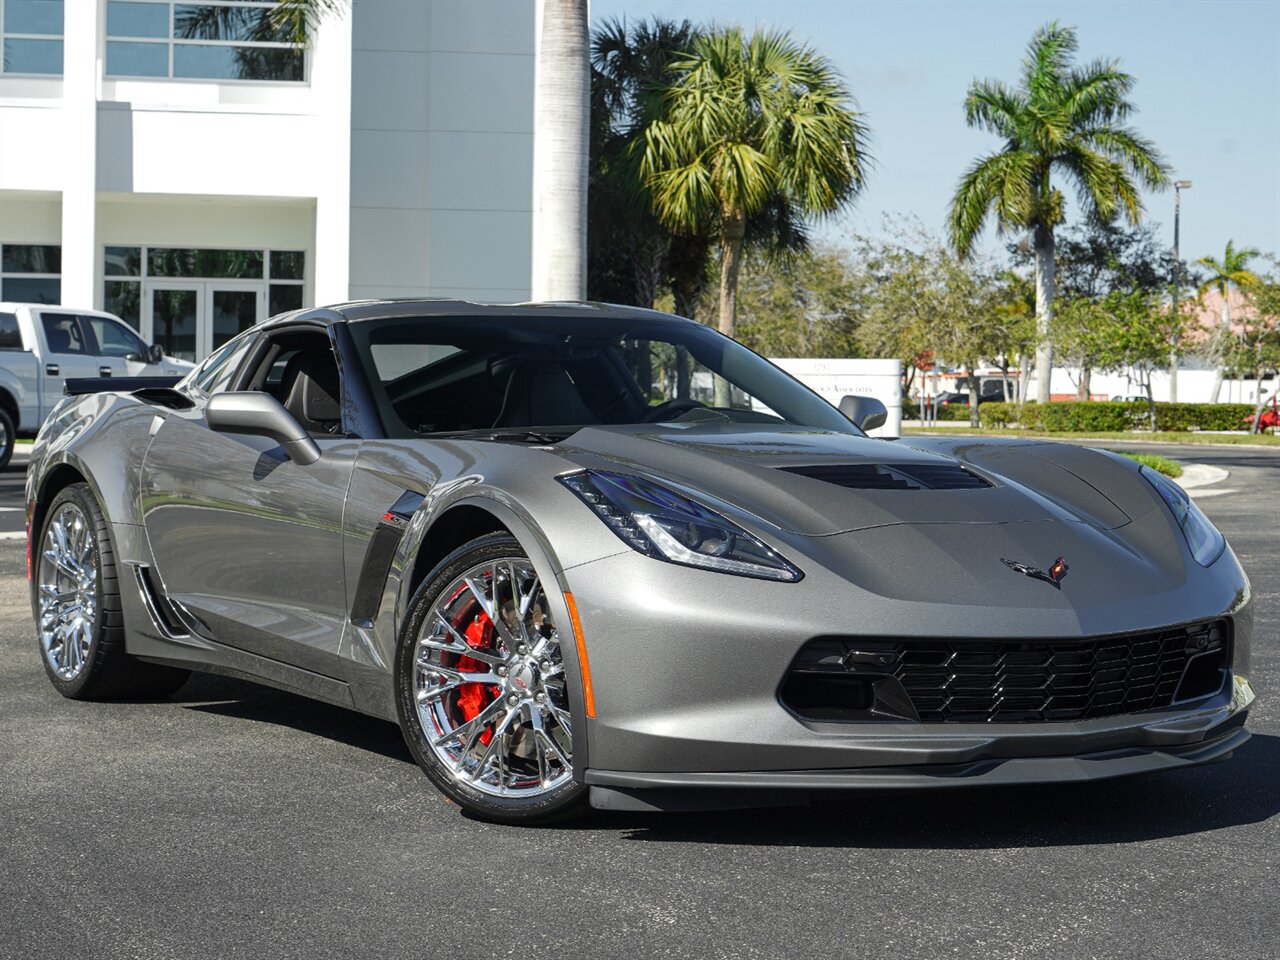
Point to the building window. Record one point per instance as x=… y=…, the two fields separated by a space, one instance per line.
x=223 y=40
x=285 y=273
x=123 y=297
x=233 y=280
x=32 y=36
x=30 y=272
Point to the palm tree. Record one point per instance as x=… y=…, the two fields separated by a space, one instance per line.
x=1064 y=119
x=628 y=250
x=1232 y=271
x=296 y=19
x=750 y=123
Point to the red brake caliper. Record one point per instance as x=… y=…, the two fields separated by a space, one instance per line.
x=474 y=697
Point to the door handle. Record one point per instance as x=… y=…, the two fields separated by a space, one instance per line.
x=104 y=371
x=51 y=369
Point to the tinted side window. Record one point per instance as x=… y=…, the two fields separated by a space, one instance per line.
x=10 y=335
x=62 y=333
x=115 y=340
x=215 y=373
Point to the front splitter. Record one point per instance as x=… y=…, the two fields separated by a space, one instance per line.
x=618 y=790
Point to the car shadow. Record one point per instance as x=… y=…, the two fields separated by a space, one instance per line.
x=241 y=699
x=1234 y=793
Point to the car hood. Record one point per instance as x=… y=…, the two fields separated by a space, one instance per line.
x=760 y=470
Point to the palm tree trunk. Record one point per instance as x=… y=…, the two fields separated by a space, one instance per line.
x=1220 y=375
x=732 y=231
x=560 y=145
x=973 y=395
x=1044 y=311
x=1024 y=378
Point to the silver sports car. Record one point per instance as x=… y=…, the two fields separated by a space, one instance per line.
x=584 y=553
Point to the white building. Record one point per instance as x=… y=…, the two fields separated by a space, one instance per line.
x=195 y=186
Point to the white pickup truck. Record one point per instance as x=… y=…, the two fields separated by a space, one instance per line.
x=42 y=346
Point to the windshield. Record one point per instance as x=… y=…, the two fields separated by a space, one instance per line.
x=553 y=375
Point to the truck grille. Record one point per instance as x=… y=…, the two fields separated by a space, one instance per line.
x=1006 y=681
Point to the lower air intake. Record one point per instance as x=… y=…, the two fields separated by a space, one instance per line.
x=1006 y=681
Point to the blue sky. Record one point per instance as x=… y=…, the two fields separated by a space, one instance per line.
x=1208 y=94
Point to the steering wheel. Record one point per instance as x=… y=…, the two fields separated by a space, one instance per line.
x=664 y=411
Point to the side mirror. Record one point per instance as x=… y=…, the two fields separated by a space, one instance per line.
x=261 y=415
x=155 y=353
x=867 y=412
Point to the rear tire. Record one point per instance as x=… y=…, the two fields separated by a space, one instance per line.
x=76 y=601
x=7 y=438
x=482 y=700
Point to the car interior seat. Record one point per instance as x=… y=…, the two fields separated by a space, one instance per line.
x=541 y=393
x=311 y=387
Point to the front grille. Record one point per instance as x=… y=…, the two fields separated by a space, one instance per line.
x=894 y=476
x=1006 y=681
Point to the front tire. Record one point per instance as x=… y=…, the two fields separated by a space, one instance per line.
x=79 y=620
x=481 y=690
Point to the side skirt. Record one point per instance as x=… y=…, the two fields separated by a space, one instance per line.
x=241 y=665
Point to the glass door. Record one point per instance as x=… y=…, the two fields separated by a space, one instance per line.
x=230 y=308
x=173 y=316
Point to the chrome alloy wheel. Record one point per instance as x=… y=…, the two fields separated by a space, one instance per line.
x=68 y=585
x=489 y=683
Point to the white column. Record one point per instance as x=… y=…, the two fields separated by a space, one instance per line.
x=561 y=107
x=331 y=154
x=79 y=153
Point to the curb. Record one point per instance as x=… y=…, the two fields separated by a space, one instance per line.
x=1200 y=475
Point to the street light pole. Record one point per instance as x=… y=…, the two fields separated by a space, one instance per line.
x=1178 y=187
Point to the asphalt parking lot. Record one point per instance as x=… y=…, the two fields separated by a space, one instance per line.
x=231 y=820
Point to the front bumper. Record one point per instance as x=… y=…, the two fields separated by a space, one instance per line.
x=1188 y=741
x=686 y=669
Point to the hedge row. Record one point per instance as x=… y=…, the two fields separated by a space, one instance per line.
x=952 y=411
x=1105 y=417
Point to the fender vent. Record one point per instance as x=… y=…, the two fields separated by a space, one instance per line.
x=894 y=476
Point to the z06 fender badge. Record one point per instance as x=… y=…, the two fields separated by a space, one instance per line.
x=1054 y=577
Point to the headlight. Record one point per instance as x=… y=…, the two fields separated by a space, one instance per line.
x=1203 y=538
x=665 y=525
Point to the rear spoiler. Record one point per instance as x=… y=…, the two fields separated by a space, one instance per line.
x=78 y=386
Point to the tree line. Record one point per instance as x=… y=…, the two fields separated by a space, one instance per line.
x=713 y=152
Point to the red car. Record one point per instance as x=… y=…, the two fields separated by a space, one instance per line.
x=1270 y=418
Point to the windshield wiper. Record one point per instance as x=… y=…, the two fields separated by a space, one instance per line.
x=502 y=436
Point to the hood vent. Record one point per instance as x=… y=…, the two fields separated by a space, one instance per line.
x=894 y=476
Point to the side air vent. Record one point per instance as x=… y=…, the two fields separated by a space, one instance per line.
x=164 y=397
x=894 y=476
x=162 y=611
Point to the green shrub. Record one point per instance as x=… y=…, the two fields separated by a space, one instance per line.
x=995 y=416
x=954 y=411
x=1093 y=416
x=1032 y=416
x=1202 y=416
x=1086 y=416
